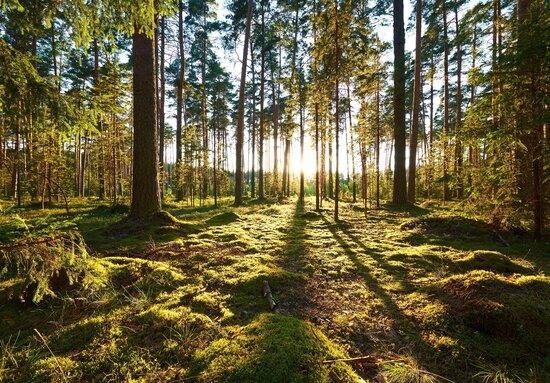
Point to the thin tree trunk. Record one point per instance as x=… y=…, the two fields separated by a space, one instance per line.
x=203 y=109
x=377 y=143
x=337 y=116
x=275 y=187
x=240 y=113
x=416 y=104
x=261 y=194
x=179 y=108
x=353 y=175
x=458 y=123
x=253 y=160
x=162 y=101
x=446 y=191
x=400 y=177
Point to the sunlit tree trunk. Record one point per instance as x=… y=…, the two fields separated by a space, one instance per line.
x=253 y=159
x=416 y=104
x=240 y=113
x=179 y=108
x=145 y=185
x=458 y=117
x=400 y=177
x=161 y=103
x=262 y=112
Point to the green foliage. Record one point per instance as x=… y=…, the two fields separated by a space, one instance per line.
x=45 y=265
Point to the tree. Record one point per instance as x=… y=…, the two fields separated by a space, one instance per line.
x=239 y=179
x=416 y=104
x=399 y=133
x=145 y=186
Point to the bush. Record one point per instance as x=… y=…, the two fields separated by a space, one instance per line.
x=46 y=265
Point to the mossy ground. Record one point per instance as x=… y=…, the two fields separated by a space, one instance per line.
x=425 y=288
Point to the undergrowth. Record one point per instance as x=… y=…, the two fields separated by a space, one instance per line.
x=419 y=295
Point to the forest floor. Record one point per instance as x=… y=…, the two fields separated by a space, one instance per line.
x=422 y=294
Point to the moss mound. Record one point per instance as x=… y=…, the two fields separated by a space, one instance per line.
x=513 y=308
x=272 y=348
x=490 y=261
x=223 y=219
x=312 y=215
x=448 y=226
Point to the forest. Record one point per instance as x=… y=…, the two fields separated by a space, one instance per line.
x=264 y=191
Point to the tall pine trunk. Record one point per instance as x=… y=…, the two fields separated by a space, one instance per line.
x=400 y=177
x=253 y=160
x=337 y=117
x=458 y=122
x=416 y=104
x=240 y=113
x=261 y=194
x=161 y=103
x=179 y=108
x=446 y=191
x=145 y=185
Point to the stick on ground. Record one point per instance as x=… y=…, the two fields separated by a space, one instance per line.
x=269 y=296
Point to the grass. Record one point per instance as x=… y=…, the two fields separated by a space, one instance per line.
x=425 y=291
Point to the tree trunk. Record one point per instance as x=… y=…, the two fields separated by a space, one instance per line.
x=446 y=191
x=302 y=177
x=179 y=109
x=330 y=179
x=203 y=110
x=353 y=175
x=261 y=194
x=458 y=123
x=377 y=143
x=416 y=104
x=253 y=160
x=317 y=186
x=275 y=187
x=145 y=186
x=400 y=177
x=161 y=104
x=337 y=117
x=240 y=114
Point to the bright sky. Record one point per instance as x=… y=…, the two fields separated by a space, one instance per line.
x=232 y=63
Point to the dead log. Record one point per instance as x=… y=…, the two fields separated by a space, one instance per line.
x=269 y=296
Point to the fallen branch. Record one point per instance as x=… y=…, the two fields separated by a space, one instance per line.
x=269 y=296
x=362 y=358
x=34 y=243
x=436 y=376
x=356 y=359
x=501 y=238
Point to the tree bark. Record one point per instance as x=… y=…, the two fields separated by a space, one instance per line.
x=162 y=101
x=145 y=185
x=261 y=194
x=458 y=122
x=253 y=172
x=240 y=113
x=179 y=108
x=416 y=104
x=446 y=191
x=337 y=117
x=400 y=177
